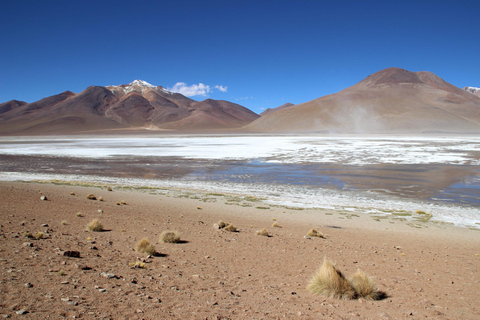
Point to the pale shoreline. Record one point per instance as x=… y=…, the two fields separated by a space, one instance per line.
x=431 y=272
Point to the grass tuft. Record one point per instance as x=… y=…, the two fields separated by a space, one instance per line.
x=145 y=246
x=315 y=233
x=39 y=235
x=95 y=225
x=91 y=197
x=330 y=282
x=262 y=232
x=364 y=286
x=169 y=237
x=276 y=225
x=230 y=227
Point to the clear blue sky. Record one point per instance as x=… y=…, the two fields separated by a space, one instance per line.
x=265 y=52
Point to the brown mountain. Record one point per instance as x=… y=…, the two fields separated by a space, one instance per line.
x=270 y=110
x=136 y=106
x=390 y=101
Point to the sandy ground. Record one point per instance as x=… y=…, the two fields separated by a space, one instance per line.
x=430 y=272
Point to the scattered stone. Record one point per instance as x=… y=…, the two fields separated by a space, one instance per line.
x=28 y=244
x=307 y=237
x=43 y=198
x=28 y=285
x=65 y=299
x=102 y=290
x=22 y=311
x=216 y=226
x=100 y=210
x=108 y=275
x=71 y=253
x=139 y=311
x=44 y=225
x=64 y=282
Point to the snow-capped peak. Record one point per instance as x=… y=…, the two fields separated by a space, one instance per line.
x=474 y=90
x=140 y=86
x=141 y=83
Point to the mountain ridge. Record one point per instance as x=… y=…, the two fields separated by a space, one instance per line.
x=137 y=105
x=392 y=100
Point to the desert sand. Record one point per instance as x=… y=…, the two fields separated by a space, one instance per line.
x=429 y=271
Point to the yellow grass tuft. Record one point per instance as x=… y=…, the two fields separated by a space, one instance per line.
x=222 y=224
x=145 y=246
x=276 y=225
x=109 y=189
x=262 y=232
x=39 y=235
x=95 y=225
x=364 y=286
x=315 y=233
x=137 y=264
x=169 y=237
x=27 y=235
x=230 y=227
x=329 y=282
x=91 y=197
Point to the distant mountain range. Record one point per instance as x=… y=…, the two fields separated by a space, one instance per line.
x=137 y=105
x=392 y=100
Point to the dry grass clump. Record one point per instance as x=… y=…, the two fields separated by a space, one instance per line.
x=91 y=197
x=39 y=235
x=79 y=214
x=63 y=222
x=315 y=233
x=137 y=264
x=276 y=225
x=364 y=286
x=109 y=189
x=262 y=232
x=170 y=237
x=230 y=227
x=145 y=246
x=95 y=225
x=222 y=224
x=330 y=282
x=27 y=235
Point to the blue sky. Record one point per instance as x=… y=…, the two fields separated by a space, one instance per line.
x=264 y=53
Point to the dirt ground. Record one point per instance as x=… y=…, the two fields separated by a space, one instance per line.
x=431 y=271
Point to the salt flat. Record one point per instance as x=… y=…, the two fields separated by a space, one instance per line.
x=378 y=175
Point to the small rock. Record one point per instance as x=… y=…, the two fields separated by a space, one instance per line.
x=100 y=210
x=28 y=285
x=28 y=244
x=216 y=226
x=44 y=225
x=71 y=253
x=23 y=311
x=102 y=290
x=307 y=237
x=64 y=282
x=108 y=275
x=43 y=198
x=139 y=311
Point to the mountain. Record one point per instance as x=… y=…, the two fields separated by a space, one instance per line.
x=475 y=91
x=270 y=110
x=392 y=100
x=134 y=106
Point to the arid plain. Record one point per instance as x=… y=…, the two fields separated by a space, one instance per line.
x=430 y=271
